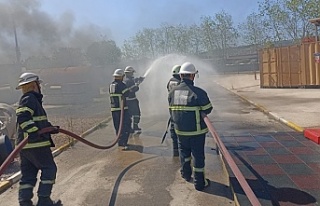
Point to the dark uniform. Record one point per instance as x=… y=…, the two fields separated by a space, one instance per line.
x=118 y=91
x=36 y=155
x=133 y=102
x=174 y=81
x=187 y=102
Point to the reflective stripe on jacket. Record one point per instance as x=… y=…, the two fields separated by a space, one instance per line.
x=186 y=102
x=31 y=117
x=118 y=91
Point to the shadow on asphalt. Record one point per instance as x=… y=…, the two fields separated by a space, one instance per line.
x=263 y=190
x=215 y=188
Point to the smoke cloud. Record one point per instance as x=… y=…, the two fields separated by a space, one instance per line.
x=38 y=33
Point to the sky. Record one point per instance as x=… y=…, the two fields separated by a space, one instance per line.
x=42 y=25
x=122 y=19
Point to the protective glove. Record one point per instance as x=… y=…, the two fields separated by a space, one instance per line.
x=56 y=130
x=141 y=79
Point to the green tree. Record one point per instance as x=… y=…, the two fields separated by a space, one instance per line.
x=146 y=39
x=288 y=19
x=130 y=50
x=181 y=39
x=208 y=30
x=196 y=45
x=225 y=31
x=219 y=32
x=274 y=15
x=298 y=15
x=253 y=31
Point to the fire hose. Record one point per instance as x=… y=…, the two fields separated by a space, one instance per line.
x=242 y=181
x=18 y=148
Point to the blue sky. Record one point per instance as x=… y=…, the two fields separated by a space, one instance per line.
x=125 y=17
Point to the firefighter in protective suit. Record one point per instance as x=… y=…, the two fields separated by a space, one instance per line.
x=36 y=155
x=132 y=101
x=174 y=81
x=118 y=92
x=186 y=103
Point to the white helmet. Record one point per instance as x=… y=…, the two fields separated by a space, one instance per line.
x=118 y=73
x=129 y=69
x=176 y=69
x=188 y=68
x=26 y=78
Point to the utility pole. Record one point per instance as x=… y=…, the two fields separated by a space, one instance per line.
x=316 y=22
x=18 y=53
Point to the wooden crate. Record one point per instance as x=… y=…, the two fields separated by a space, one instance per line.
x=290 y=66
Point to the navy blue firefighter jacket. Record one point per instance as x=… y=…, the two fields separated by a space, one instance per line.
x=31 y=118
x=186 y=103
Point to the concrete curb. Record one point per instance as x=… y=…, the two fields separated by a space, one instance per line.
x=86 y=133
x=4 y=185
x=267 y=112
x=227 y=170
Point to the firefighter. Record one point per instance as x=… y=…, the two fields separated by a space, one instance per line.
x=186 y=103
x=174 y=81
x=132 y=101
x=36 y=155
x=118 y=92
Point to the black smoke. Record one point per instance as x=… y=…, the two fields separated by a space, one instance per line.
x=38 y=33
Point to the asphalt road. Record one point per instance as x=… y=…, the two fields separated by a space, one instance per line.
x=233 y=115
x=148 y=174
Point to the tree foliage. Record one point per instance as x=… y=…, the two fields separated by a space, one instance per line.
x=288 y=19
x=275 y=21
x=253 y=30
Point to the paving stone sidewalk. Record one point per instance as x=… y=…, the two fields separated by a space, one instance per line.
x=282 y=168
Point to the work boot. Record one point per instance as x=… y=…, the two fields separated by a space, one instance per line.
x=26 y=203
x=186 y=178
x=137 y=129
x=206 y=185
x=46 y=201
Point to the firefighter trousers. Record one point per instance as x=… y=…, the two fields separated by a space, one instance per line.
x=134 y=112
x=192 y=148
x=173 y=137
x=34 y=160
x=126 y=128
